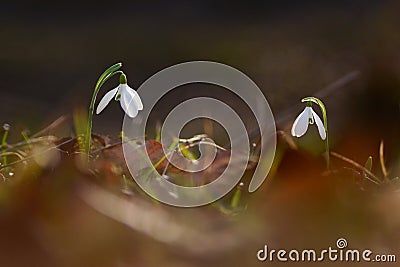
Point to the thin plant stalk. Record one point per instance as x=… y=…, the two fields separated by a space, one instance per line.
x=4 y=143
x=26 y=138
x=111 y=71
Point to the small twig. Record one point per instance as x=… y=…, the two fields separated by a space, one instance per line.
x=169 y=159
x=349 y=77
x=375 y=179
x=183 y=148
x=12 y=154
x=26 y=138
x=195 y=138
x=382 y=160
x=52 y=125
x=288 y=139
x=4 y=178
x=6 y=128
x=321 y=94
x=49 y=138
x=32 y=156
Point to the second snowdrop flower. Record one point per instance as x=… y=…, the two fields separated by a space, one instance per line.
x=308 y=116
x=129 y=98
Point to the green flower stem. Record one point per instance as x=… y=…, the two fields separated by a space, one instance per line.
x=111 y=71
x=4 y=146
x=323 y=110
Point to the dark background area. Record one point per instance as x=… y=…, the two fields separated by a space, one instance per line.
x=52 y=54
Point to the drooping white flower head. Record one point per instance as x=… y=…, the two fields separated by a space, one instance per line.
x=129 y=98
x=308 y=116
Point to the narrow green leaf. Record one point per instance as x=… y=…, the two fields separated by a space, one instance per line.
x=368 y=163
x=236 y=197
x=187 y=153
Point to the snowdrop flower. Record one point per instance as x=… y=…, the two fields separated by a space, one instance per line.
x=308 y=116
x=129 y=98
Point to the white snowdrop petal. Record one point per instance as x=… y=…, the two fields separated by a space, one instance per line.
x=127 y=102
x=106 y=99
x=135 y=97
x=320 y=125
x=300 y=125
